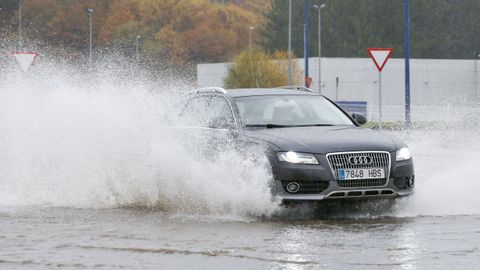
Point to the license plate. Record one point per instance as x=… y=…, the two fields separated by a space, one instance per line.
x=353 y=174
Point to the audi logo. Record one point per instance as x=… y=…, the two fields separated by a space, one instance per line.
x=360 y=160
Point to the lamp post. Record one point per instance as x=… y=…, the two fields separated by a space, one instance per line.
x=306 y=40
x=250 y=36
x=20 y=24
x=90 y=27
x=137 y=53
x=407 y=64
x=289 y=42
x=477 y=89
x=319 y=8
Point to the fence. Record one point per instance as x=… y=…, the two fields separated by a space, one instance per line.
x=446 y=89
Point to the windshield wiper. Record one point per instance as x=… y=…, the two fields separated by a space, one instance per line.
x=268 y=125
x=314 y=125
x=284 y=126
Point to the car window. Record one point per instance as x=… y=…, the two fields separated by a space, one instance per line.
x=195 y=112
x=289 y=110
x=219 y=113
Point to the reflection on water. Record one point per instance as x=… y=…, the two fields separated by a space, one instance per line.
x=123 y=238
x=346 y=243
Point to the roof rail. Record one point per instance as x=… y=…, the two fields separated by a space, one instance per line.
x=296 y=87
x=210 y=90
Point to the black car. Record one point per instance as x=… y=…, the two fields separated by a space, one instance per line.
x=316 y=150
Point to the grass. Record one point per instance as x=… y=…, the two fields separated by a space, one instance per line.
x=399 y=125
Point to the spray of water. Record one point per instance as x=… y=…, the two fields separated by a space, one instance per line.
x=75 y=139
x=446 y=167
x=69 y=139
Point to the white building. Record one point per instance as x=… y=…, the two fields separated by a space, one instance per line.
x=440 y=89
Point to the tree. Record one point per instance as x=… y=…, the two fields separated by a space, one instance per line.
x=182 y=31
x=174 y=33
x=210 y=32
x=254 y=68
x=62 y=22
x=438 y=28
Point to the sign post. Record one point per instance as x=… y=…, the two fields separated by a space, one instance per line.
x=25 y=59
x=380 y=57
x=407 y=64
x=306 y=41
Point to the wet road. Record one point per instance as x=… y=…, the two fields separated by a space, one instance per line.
x=436 y=228
x=65 y=238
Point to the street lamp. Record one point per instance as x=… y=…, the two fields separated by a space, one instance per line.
x=20 y=24
x=250 y=36
x=289 y=42
x=477 y=88
x=90 y=12
x=319 y=8
x=137 y=54
x=305 y=43
x=407 y=62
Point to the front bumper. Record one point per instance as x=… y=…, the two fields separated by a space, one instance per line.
x=320 y=183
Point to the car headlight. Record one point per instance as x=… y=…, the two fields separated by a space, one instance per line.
x=403 y=154
x=297 y=158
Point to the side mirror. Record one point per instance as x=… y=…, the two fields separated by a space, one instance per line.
x=360 y=118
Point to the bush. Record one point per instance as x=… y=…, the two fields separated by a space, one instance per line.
x=254 y=68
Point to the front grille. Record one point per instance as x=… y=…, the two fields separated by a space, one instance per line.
x=363 y=183
x=308 y=187
x=339 y=161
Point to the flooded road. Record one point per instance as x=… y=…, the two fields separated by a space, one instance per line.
x=37 y=238
x=88 y=180
x=436 y=228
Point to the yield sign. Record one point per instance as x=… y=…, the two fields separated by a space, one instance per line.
x=25 y=59
x=380 y=56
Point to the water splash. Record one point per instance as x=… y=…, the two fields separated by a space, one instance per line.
x=69 y=139
x=73 y=139
x=446 y=162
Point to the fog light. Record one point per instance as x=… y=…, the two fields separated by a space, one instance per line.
x=411 y=181
x=293 y=187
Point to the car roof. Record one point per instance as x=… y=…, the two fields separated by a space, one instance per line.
x=244 y=92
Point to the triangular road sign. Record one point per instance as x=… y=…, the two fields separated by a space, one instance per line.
x=25 y=59
x=380 y=56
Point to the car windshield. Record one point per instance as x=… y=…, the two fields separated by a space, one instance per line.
x=289 y=110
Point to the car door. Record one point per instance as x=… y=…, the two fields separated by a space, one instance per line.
x=207 y=125
x=221 y=125
x=194 y=113
x=192 y=125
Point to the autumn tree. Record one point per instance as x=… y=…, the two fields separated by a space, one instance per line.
x=183 y=31
x=254 y=68
x=175 y=31
x=63 y=23
x=281 y=58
